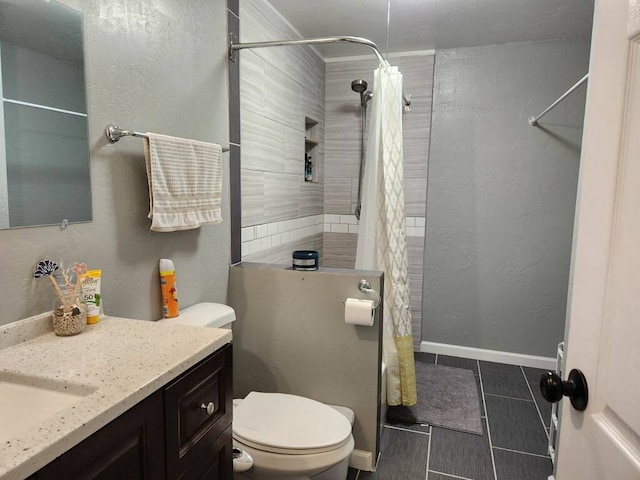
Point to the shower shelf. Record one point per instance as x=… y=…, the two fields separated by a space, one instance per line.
x=311 y=131
x=311 y=141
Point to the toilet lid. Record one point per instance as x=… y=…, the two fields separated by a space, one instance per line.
x=283 y=423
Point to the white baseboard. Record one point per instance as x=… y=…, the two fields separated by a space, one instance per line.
x=547 y=363
x=361 y=460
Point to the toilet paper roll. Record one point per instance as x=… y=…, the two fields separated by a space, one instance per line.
x=358 y=312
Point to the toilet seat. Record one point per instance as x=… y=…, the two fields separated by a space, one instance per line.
x=279 y=466
x=288 y=424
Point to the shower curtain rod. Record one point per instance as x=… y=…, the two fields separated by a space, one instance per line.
x=533 y=121
x=313 y=41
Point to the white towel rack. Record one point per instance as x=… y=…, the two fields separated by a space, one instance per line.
x=114 y=133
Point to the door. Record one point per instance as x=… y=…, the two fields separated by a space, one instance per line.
x=603 y=338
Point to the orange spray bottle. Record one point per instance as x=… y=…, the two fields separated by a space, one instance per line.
x=168 y=286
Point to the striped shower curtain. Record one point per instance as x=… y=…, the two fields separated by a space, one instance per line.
x=382 y=233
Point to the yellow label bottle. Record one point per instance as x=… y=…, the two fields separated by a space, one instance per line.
x=169 y=291
x=91 y=295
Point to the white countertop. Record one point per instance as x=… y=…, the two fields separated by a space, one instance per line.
x=124 y=360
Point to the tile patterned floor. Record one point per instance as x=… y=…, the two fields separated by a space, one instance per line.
x=513 y=447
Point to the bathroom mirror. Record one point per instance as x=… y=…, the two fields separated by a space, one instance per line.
x=44 y=153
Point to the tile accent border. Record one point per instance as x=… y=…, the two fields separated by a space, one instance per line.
x=258 y=238
x=334 y=223
x=340 y=223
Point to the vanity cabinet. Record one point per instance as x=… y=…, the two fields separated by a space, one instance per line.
x=183 y=430
x=198 y=413
x=129 y=447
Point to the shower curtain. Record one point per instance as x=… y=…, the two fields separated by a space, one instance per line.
x=382 y=233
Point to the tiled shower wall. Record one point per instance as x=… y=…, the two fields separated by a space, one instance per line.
x=343 y=117
x=279 y=87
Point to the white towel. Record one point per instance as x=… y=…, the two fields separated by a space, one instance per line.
x=185 y=182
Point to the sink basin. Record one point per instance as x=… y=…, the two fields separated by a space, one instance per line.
x=26 y=401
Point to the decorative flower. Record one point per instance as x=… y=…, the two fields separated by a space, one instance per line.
x=70 y=288
x=45 y=267
x=79 y=269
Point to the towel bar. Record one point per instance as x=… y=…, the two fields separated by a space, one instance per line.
x=114 y=133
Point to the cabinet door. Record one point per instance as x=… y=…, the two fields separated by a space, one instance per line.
x=130 y=447
x=198 y=413
x=215 y=461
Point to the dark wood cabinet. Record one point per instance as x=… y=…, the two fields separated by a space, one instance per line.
x=198 y=412
x=131 y=446
x=182 y=431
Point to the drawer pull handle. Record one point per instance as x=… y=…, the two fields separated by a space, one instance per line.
x=209 y=408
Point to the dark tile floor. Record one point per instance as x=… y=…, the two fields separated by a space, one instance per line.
x=513 y=447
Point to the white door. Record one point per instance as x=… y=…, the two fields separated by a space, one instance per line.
x=603 y=338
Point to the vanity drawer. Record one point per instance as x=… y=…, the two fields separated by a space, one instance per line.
x=198 y=410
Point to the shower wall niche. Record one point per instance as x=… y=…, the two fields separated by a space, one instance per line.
x=311 y=142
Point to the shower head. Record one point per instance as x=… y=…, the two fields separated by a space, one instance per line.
x=359 y=86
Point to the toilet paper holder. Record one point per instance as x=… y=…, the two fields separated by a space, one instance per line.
x=365 y=287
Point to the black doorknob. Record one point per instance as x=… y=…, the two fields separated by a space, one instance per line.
x=575 y=387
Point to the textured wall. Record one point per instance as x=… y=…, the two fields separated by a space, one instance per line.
x=501 y=195
x=151 y=65
x=342 y=163
x=290 y=337
x=279 y=87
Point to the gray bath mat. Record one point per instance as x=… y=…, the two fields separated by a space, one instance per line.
x=447 y=397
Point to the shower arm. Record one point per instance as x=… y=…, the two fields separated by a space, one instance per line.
x=313 y=41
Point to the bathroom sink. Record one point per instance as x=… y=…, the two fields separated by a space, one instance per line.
x=26 y=401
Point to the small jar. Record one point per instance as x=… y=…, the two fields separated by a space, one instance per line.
x=305 y=260
x=70 y=317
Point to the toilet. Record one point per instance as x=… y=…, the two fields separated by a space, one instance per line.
x=292 y=437
x=285 y=436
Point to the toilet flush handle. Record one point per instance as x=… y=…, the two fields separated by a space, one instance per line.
x=209 y=408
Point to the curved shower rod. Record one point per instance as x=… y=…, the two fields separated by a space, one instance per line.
x=313 y=41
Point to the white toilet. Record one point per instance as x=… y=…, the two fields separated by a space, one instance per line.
x=287 y=436
x=292 y=437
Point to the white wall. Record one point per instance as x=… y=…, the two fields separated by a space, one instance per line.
x=151 y=65
x=290 y=337
x=501 y=195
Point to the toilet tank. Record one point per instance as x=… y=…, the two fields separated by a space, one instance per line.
x=207 y=314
